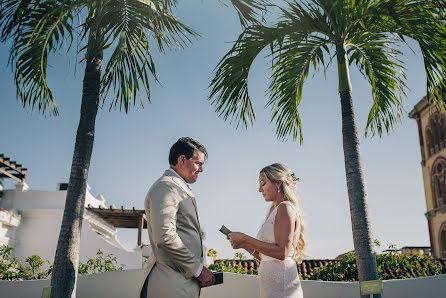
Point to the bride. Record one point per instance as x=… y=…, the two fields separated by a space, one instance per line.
x=280 y=242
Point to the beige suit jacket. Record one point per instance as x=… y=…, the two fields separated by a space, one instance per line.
x=175 y=237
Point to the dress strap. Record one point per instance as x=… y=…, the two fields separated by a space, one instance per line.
x=290 y=204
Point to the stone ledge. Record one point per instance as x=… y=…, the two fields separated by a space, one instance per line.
x=9 y=218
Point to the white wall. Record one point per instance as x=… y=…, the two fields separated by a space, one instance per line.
x=122 y=284
x=38 y=234
x=8 y=225
x=41 y=218
x=428 y=287
x=91 y=242
x=23 y=198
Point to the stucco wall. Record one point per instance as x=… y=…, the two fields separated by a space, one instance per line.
x=8 y=226
x=39 y=231
x=426 y=169
x=122 y=284
x=41 y=217
x=439 y=219
x=438 y=222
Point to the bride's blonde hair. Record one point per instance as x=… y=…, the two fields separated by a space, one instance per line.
x=280 y=173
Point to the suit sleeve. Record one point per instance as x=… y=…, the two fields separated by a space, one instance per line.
x=163 y=201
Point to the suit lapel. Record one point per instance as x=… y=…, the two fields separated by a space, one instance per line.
x=196 y=209
x=180 y=183
x=199 y=226
x=186 y=188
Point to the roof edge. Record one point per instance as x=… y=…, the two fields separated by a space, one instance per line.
x=420 y=106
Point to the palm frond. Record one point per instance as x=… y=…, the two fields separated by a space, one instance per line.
x=167 y=30
x=230 y=83
x=376 y=56
x=309 y=18
x=129 y=25
x=429 y=30
x=423 y=21
x=11 y=12
x=43 y=32
x=250 y=11
x=128 y=66
x=291 y=67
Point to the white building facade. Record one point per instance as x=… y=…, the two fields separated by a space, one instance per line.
x=36 y=230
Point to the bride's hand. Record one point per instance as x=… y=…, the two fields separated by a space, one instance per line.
x=237 y=239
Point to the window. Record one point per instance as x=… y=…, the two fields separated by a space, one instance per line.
x=438 y=179
x=435 y=133
x=443 y=241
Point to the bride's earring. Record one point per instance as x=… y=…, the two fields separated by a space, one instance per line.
x=278 y=188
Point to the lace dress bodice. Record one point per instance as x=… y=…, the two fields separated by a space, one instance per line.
x=266 y=232
x=279 y=278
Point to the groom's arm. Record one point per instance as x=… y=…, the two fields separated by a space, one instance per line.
x=163 y=210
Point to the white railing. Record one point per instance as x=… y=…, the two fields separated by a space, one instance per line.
x=122 y=284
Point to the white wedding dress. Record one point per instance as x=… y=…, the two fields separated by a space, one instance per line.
x=278 y=279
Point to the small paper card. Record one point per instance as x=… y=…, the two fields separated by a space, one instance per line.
x=225 y=230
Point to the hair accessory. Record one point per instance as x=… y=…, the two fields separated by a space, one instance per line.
x=295 y=179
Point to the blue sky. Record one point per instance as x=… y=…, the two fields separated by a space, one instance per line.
x=131 y=150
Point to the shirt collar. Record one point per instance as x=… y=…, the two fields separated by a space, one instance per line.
x=176 y=174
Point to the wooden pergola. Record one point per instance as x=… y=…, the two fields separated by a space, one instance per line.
x=122 y=218
x=11 y=169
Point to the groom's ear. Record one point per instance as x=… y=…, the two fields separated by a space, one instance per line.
x=181 y=159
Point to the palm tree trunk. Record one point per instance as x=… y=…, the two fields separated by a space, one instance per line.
x=357 y=193
x=64 y=276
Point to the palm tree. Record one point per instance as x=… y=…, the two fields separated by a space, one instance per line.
x=312 y=33
x=126 y=29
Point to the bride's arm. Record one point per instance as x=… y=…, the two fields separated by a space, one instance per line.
x=283 y=231
x=252 y=252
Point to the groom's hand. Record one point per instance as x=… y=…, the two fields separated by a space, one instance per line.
x=206 y=278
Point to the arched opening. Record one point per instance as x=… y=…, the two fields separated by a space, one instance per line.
x=435 y=133
x=443 y=242
x=438 y=180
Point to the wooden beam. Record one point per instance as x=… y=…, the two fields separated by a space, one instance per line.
x=140 y=228
x=8 y=174
x=9 y=165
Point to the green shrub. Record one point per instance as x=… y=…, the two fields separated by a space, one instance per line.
x=100 y=264
x=344 y=270
x=12 y=268
x=239 y=255
x=231 y=266
x=390 y=266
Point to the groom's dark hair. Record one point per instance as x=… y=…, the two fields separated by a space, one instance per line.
x=185 y=146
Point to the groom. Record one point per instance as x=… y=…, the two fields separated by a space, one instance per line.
x=174 y=227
